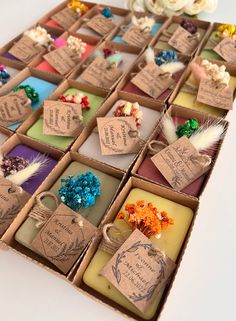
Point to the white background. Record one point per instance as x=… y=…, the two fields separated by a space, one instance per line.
x=204 y=288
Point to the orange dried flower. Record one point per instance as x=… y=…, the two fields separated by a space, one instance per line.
x=146 y=218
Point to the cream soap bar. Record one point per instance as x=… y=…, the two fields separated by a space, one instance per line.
x=91 y=147
x=94 y=214
x=189 y=100
x=60 y=142
x=170 y=242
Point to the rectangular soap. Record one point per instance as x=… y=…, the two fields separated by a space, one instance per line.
x=91 y=147
x=94 y=214
x=170 y=242
x=63 y=142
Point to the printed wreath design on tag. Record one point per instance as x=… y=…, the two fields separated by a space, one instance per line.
x=9 y=214
x=116 y=272
x=67 y=252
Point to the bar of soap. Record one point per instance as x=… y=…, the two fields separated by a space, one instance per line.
x=44 y=89
x=171 y=243
x=153 y=31
x=131 y=88
x=45 y=66
x=211 y=54
x=94 y=214
x=84 y=30
x=91 y=147
x=29 y=153
x=148 y=170
x=172 y=28
x=62 y=142
x=189 y=101
x=127 y=61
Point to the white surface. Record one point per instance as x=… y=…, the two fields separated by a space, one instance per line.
x=204 y=287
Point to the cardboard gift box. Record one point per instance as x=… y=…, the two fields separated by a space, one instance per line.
x=134 y=182
x=76 y=74
x=143 y=101
x=44 y=20
x=181 y=112
x=140 y=64
x=229 y=67
x=8 y=237
x=164 y=35
x=65 y=85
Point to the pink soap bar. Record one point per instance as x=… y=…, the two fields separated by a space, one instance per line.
x=53 y=24
x=130 y=88
x=148 y=169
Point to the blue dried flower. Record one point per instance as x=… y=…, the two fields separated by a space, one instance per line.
x=81 y=192
x=4 y=75
x=106 y=12
x=166 y=57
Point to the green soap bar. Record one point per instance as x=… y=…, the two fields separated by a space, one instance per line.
x=170 y=242
x=61 y=142
x=211 y=54
x=94 y=214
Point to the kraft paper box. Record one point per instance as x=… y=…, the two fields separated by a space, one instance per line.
x=116 y=96
x=47 y=17
x=158 y=19
x=64 y=86
x=9 y=237
x=5 y=133
x=229 y=67
x=177 y=20
x=142 y=63
x=134 y=182
x=90 y=40
x=185 y=113
x=76 y=74
x=96 y=10
x=54 y=32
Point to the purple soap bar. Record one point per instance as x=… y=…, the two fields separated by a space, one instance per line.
x=131 y=88
x=28 y=153
x=148 y=170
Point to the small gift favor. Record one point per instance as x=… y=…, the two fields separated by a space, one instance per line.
x=66 y=17
x=138 y=32
x=156 y=75
x=86 y=103
x=137 y=254
x=31 y=44
x=199 y=144
x=221 y=44
x=82 y=189
x=209 y=88
x=121 y=134
x=183 y=36
x=22 y=170
x=28 y=95
x=101 y=23
x=65 y=57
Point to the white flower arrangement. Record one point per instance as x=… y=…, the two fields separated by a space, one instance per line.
x=173 y=7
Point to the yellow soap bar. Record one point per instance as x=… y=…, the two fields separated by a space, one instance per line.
x=170 y=242
x=189 y=100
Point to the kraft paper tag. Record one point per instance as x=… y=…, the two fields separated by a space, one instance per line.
x=64 y=237
x=14 y=107
x=215 y=95
x=62 y=119
x=101 y=73
x=12 y=200
x=227 y=50
x=65 y=18
x=62 y=59
x=179 y=164
x=138 y=270
x=25 y=49
x=152 y=80
x=183 y=41
x=101 y=24
x=118 y=135
x=134 y=36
